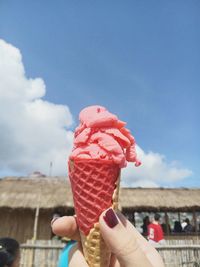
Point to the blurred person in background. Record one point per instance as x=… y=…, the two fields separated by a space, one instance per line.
x=188 y=227
x=9 y=252
x=146 y=222
x=177 y=227
x=155 y=232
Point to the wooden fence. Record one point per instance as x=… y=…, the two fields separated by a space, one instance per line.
x=180 y=255
x=40 y=253
x=176 y=253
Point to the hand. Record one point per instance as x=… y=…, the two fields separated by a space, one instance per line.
x=129 y=248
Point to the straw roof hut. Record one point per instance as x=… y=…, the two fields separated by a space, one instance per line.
x=25 y=192
x=160 y=199
x=27 y=204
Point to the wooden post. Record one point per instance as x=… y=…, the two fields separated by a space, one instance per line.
x=195 y=221
x=179 y=216
x=167 y=223
x=37 y=212
x=35 y=228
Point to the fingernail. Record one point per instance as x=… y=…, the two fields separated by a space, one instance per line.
x=110 y=218
x=122 y=218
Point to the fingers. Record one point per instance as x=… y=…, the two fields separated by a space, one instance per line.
x=76 y=257
x=66 y=227
x=129 y=247
x=123 y=241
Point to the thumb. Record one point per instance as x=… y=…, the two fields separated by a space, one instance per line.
x=121 y=243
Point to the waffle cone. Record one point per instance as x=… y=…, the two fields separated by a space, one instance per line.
x=95 y=187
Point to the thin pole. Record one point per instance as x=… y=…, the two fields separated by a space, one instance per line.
x=35 y=229
x=167 y=223
x=179 y=216
x=195 y=221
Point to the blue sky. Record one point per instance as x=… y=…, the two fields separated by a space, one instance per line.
x=140 y=59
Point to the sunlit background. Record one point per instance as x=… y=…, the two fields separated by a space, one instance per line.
x=140 y=59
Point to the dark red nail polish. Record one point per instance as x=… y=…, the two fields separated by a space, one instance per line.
x=110 y=218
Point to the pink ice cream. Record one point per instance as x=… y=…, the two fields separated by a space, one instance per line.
x=102 y=136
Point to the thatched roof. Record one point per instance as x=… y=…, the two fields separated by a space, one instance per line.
x=25 y=192
x=161 y=199
x=52 y=192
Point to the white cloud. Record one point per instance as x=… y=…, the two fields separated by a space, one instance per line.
x=32 y=131
x=154 y=171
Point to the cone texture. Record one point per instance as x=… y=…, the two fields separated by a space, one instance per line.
x=95 y=187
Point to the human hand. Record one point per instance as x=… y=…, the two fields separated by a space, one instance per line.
x=129 y=248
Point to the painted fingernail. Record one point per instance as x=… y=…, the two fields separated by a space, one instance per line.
x=110 y=218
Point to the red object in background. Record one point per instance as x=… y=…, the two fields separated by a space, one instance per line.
x=155 y=232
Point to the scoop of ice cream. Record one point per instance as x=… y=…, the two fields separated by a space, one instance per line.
x=97 y=116
x=102 y=136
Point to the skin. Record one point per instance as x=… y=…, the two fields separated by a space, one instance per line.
x=129 y=248
x=16 y=262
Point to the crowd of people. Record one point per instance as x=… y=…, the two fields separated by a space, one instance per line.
x=154 y=230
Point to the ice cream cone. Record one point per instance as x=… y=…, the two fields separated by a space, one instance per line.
x=102 y=146
x=95 y=187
